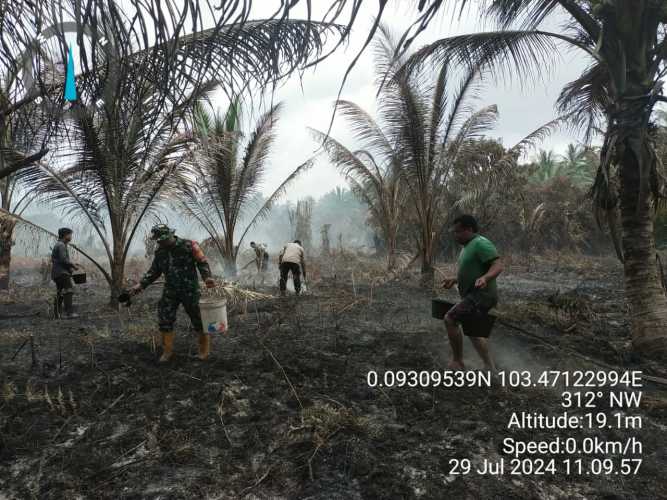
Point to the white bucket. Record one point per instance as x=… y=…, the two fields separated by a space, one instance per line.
x=213 y=315
x=290 y=286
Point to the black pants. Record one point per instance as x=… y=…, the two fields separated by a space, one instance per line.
x=167 y=308
x=65 y=288
x=285 y=268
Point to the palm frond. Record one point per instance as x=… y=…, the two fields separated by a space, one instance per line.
x=474 y=127
x=370 y=199
x=386 y=56
x=365 y=129
x=587 y=100
x=463 y=103
x=536 y=136
x=253 y=164
x=347 y=162
x=504 y=54
x=408 y=128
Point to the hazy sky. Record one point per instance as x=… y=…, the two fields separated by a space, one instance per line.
x=309 y=102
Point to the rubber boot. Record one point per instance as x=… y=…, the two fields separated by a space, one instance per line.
x=167 y=346
x=204 y=346
x=69 y=307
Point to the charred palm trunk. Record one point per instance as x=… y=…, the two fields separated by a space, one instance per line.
x=427 y=260
x=117 y=283
x=427 y=269
x=628 y=44
x=326 y=244
x=117 y=273
x=391 y=249
x=229 y=258
x=428 y=235
x=6 y=242
x=647 y=302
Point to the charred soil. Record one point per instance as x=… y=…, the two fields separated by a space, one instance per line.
x=283 y=408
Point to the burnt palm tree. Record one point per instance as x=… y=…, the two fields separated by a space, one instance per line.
x=125 y=150
x=373 y=174
x=226 y=172
x=625 y=42
x=427 y=123
x=426 y=120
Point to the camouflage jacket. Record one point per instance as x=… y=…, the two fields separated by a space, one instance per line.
x=179 y=264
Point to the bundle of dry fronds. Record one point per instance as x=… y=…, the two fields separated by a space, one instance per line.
x=233 y=294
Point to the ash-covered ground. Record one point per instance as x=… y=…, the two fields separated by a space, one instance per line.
x=283 y=408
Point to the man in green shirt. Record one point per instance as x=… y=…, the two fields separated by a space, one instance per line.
x=478 y=266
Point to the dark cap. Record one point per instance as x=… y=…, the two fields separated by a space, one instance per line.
x=161 y=232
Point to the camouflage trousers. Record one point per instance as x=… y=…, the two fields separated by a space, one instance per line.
x=167 y=308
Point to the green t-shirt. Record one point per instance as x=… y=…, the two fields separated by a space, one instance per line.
x=474 y=261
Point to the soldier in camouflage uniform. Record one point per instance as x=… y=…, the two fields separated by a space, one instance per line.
x=178 y=259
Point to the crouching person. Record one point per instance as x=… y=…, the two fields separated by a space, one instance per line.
x=178 y=260
x=61 y=273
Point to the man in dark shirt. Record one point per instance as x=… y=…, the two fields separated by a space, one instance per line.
x=178 y=260
x=61 y=273
x=478 y=267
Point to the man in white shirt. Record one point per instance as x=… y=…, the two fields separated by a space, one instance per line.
x=291 y=259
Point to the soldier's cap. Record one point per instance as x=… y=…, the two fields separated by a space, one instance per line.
x=161 y=232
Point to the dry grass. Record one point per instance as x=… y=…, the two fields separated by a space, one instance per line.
x=562 y=311
x=59 y=402
x=324 y=420
x=8 y=391
x=29 y=295
x=321 y=422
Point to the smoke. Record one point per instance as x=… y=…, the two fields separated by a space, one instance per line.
x=346 y=215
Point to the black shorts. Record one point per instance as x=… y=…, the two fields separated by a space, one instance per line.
x=472 y=316
x=64 y=284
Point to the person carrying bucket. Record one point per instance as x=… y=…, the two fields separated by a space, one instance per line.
x=290 y=258
x=179 y=260
x=478 y=267
x=61 y=273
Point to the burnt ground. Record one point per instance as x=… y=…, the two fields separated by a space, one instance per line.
x=283 y=409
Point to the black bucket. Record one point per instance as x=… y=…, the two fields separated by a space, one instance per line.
x=477 y=326
x=79 y=278
x=125 y=297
